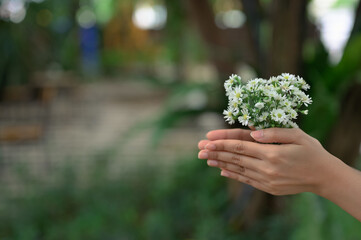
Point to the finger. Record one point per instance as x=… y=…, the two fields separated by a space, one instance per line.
x=241 y=160
x=252 y=149
x=203 y=154
x=239 y=134
x=237 y=169
x=243 y=179
x=278 y=135
x=202 y=144
x=227 y=166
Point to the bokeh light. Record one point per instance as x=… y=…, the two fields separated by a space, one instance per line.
x=230 y=19
x=335 y=24
x=150 y=17
x=86 y=17
x=13 y=10
x=44 y=17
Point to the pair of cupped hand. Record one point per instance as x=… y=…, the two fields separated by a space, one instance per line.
x=298 y=163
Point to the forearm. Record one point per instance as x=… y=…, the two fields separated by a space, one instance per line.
x=343 y=187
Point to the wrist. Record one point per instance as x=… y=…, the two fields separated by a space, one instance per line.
x=343 y=188
x=333 y=178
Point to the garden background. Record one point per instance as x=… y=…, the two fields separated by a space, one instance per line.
x=102 y=104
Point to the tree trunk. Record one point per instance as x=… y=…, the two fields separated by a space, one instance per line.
x=345 y=138
x=253 y=12
x=224 y=45
x=288 y=21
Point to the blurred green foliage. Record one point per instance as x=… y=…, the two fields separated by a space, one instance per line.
x=189 y=202
x=328 y=85
x=184 y=205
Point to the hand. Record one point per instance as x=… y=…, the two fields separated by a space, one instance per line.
x=299 y=164
x=238 y=134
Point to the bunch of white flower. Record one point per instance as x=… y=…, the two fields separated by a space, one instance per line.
x=262 y=103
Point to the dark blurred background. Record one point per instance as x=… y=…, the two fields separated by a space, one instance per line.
x=102 y=104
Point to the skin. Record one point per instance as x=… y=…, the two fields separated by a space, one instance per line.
x=298 y=164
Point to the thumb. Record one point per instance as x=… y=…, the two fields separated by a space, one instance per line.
x=277 y=135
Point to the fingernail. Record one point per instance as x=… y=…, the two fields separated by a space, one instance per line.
x=225 y=174
x=212 y=163
x=257 y=134
x=203 y=155
x=211 y=146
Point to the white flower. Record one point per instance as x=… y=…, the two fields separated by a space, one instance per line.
x=230 y=82
x=286 y=103
x=263 y=116
x=228 y=115
x=259 y=105
x=233 y=104
x=292 y=124
x=250 y=123
x=273 y=81
x=305 y=86
x=288 y=76
x=278 y=97
x=267 y=88
x=304 y=112
x=250 y=87
x=234 y=79
x=278 y=115
x=228 y=88
x=254 y=82
x=266 y=103
x=244 y=106
x=293 y=114
x=285 y=86
x=244 y=118
x=235 y=112
x=236 y=94
x=298 y=93
x=306 y=100
x=230 y=121
x=273 y=94
x=269 y=92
